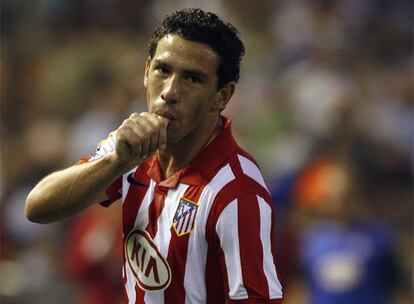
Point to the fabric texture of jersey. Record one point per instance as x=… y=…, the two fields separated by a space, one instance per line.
x=204 y=235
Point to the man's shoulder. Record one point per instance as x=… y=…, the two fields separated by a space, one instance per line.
x=245 y=168
x=241 y=183
x=240 y=175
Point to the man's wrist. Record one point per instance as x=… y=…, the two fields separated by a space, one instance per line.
x=118 y=166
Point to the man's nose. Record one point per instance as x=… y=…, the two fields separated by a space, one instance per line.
x=170 y=94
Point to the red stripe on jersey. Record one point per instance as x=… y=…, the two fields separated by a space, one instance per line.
x=217 y=287
x=254 y=278
x=255 y=301
x=113 y=192
x=247 y=184
x=133 y=200
x=139 y=295
x=155 y=209
x=177 y=255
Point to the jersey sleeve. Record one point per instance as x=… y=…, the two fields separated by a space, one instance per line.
x=246 y=236
x=114 y=191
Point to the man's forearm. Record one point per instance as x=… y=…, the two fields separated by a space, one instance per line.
x=66 y=192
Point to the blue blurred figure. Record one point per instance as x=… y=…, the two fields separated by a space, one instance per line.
x=343 y=255
x=346 y=264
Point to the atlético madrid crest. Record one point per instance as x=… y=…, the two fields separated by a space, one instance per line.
x=184 y=217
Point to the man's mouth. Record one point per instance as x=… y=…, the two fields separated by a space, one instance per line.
x=164 y=119
x=166 y=114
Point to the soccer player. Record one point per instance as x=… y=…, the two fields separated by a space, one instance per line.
x=197 y=216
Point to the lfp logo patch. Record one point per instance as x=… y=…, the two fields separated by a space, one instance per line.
x=184 y=217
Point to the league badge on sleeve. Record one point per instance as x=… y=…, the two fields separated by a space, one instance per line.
x=184 y=217
x=105 y=146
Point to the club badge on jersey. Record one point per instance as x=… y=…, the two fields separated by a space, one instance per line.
x=184 y=217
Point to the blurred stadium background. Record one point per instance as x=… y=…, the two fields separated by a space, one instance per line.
x=325 y=103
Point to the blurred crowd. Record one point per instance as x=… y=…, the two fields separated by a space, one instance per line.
x=324 y=102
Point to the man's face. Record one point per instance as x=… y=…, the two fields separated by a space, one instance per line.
x=181 y=85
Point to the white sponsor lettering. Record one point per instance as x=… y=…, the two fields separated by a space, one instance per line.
x=149 y=267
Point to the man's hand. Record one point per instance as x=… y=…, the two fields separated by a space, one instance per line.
x=140 y=136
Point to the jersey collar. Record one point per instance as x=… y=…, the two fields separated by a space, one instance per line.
x=203 y=166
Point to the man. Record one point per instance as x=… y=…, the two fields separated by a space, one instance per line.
x=197 y=216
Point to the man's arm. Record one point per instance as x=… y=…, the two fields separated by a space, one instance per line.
x=66 y=192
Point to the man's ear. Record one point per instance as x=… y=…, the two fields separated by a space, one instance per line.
x=147 y=68
x=223 y=96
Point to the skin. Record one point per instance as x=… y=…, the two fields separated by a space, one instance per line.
x=184 y=105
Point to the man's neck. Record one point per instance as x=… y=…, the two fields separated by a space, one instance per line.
x=177 y=156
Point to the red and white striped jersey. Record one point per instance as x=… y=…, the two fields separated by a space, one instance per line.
x=204 y=235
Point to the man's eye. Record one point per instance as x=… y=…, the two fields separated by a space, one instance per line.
x=193 y=79
x=161 y=70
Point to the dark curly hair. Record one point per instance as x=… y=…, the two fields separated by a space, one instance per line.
x=205 y=27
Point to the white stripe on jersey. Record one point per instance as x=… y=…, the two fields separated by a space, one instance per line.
x=163 y=235
x=251 y=170
x=275 y=290
x=126 y=184
x=228 y=232
x=194 y=281
x=222 y=178
x=156 y=297
x=130 y=284
x=141 y=220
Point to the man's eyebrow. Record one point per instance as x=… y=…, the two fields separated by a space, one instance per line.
x=191 y=72
x=196 y=73
x=161 y=63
